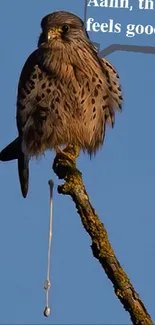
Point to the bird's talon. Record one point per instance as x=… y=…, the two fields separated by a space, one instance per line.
x=58 y=150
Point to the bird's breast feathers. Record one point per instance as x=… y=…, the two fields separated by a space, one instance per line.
x=74 y=106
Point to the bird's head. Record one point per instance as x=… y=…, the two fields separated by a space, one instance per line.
x=64 y=42
x=61 y=28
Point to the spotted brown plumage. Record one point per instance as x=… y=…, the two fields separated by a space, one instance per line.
x=66 y=94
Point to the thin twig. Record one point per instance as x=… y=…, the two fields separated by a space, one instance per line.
x=65 y=167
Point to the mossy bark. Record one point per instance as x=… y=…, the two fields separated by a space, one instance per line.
x=65 y=167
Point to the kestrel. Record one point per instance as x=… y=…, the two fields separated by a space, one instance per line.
x=66 y=94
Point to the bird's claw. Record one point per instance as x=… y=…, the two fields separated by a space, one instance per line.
x=65 y=160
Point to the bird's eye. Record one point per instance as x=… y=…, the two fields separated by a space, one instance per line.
x=65 y=28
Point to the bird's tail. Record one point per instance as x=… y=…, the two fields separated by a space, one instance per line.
x=11 y=151
x=14 y=151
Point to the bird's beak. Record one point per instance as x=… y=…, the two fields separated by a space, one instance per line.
x=53 y=33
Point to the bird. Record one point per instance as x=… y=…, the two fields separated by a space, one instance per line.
x=66 y=94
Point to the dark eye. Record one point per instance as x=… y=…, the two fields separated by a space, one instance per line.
x=65 y=28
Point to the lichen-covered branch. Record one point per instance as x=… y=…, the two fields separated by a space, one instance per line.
x=65 y=167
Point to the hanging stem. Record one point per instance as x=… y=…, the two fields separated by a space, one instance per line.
x=47 y=284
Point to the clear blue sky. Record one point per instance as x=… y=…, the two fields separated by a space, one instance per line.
x=120 y=181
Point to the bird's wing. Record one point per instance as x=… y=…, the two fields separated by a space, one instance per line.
x=101 y=101
x=115 y=90
x=25 y=87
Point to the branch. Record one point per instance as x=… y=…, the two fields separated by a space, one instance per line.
x=65 y=167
